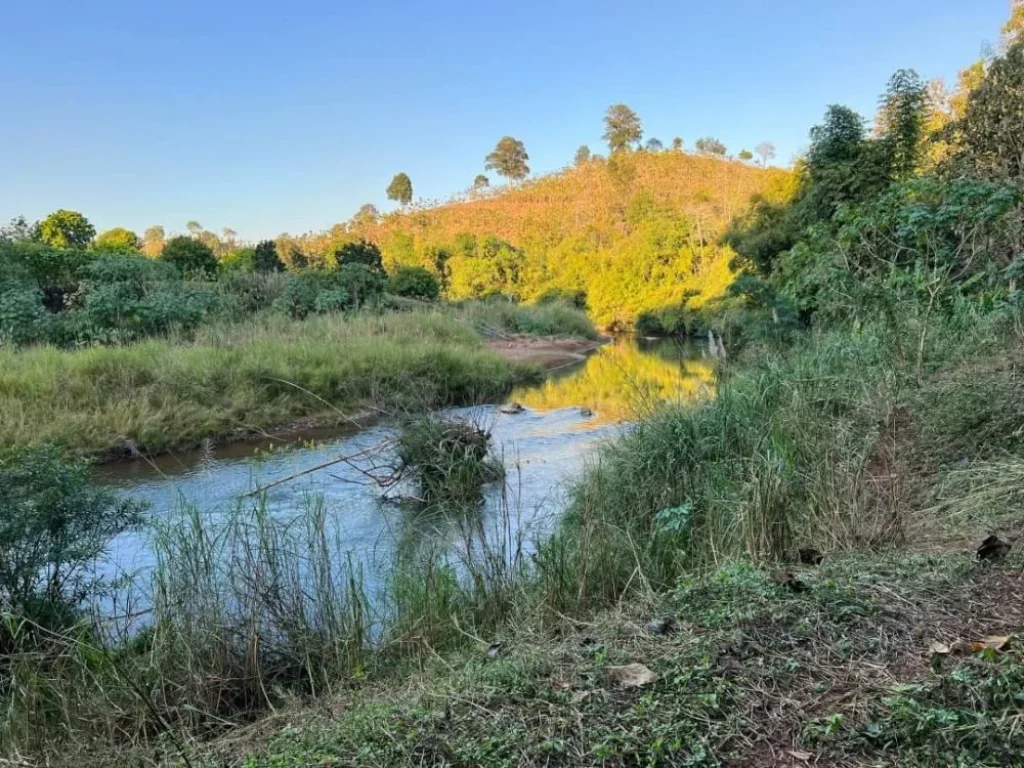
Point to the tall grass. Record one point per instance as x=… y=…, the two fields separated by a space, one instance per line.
x=163 y=394
x=499 y=318
x=801 y=448
x=244 y=613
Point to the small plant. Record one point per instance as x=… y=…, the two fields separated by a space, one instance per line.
x=53 y=526
x=449 y=459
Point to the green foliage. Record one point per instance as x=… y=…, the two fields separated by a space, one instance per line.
x=265 y=257
x=360 y=252
x=582 y=155
x=351 y=286
x=54 y=524
x=622 y=128
x=415 y=283
x=190 y=256
x=448 y=459
x=400 y=189
x=509 y=159
x=901 y=121
x=239 y=260
x=66 y=229
x=745 y=155
x=481 y=181
x=118 y=240
x=991 y=140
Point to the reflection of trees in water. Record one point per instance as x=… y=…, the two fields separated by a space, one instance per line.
x=622 y=379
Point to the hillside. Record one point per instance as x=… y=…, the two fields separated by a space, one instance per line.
x=632 y=234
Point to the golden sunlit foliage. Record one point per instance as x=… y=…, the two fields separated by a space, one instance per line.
x=634 y=233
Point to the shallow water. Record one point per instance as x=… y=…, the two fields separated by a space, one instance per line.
x=565 y=418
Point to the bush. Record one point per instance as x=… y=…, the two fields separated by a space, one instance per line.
x=361 y=252
x=239 y=260
x=570 y=297
x=265 y=258
x=448 y=458
x=414 y=283
x=189 y=255
x=53 y=526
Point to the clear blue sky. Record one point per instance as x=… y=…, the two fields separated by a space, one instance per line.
x=287 y=116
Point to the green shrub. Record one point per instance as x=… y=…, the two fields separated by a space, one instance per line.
x=448 y=458
x=414 y=283
x=189 y=255
x=54 y=524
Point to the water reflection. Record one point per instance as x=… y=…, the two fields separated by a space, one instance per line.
x=621 y=380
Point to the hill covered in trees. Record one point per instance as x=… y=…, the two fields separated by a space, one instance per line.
x=635 y=233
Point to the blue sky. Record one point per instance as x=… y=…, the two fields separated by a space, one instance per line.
x=272 y=117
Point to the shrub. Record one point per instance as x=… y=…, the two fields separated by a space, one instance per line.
x=448 y=458
x=53 y=526
x=239 y=260
x=118 y=240
x=414 y=283
x=189 y=255
x=360 y=252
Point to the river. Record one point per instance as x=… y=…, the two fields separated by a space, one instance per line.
x=543 y=448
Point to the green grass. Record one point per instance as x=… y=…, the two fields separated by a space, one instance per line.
x=499 y=318
x=164 y=394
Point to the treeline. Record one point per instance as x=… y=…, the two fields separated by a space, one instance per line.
x=60 y=286
x=922 y=215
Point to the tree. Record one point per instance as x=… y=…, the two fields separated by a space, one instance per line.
x=66 y=229
x=414 y=283
x=118 y=239
x=265 y=258
x=992 y=139
x=709 y=145
x=677 y=144
x=622 y=129
x=654 y=145
x=509 y=159
x=400 y=189
x=153 y=240
x=19 y=231
x=766 y=151
x=367 y=213
x=745 y=155
x=189 y=255
x=360 y=252
x=194 y=227
x=582 y=156
x=901 y=121
x=481 y=181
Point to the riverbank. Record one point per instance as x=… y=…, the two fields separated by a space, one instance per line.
x=547 y=354
x=236 y=381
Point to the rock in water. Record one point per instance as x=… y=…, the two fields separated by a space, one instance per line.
x=512 y=408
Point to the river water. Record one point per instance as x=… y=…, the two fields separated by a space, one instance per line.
x=543 y=448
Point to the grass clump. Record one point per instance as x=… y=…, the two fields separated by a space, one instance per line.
x=448 y=458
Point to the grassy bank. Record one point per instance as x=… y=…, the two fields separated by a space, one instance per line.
x=162 y=394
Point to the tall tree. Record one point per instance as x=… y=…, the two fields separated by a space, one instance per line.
x=654 y=145
x=193 y=227
x=766 y=151
x=117 y=239
x=582 y=156
x=66 y=229
x=992 y=138
x=622 y=128
x=400 y=189
x=709 y=145
x=901 y=118
x=677 y=144
x=153 y=240
x=509 y=159
x=265 y=258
